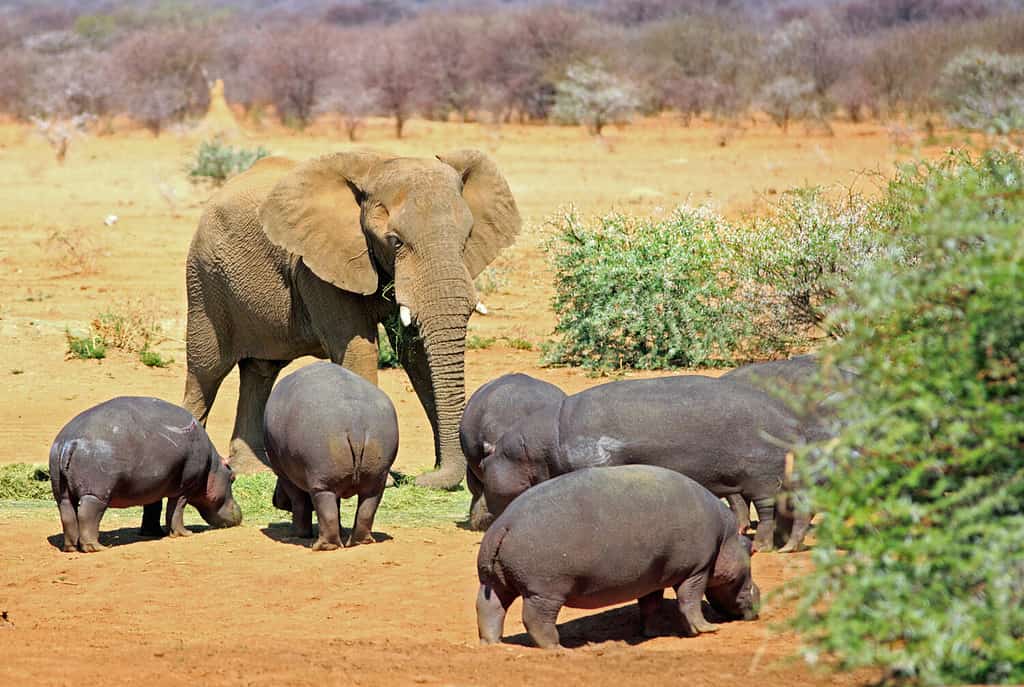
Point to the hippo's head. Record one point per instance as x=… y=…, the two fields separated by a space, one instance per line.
x=509 y=471
x=217 y=505
x=731 y=590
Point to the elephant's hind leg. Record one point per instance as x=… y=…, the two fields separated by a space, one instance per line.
x=256 y=380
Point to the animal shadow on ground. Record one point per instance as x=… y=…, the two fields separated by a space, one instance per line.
x=121 y=536
x=621 y=624
x=282 y=532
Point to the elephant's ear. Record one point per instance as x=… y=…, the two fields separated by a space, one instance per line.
x=314 y=213
x=495 y=215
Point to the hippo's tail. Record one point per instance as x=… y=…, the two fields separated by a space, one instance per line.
x=60 y=460
x=488 y=563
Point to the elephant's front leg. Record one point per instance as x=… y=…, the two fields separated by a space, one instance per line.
x=256 y=379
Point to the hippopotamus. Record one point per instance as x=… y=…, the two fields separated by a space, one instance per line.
x=329 y=435
x=806 y=387
x=729 y=437
x=135 y=451
x=491 y=410
x=602 y=536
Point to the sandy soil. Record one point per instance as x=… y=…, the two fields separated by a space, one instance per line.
x=241 y=606
x=249 y=606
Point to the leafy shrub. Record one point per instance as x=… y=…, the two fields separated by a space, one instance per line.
x=642 y=292
x=216 y=161
x=89 y=347
x=919 y=562
x=791 y=263
x=785 y=99
x=519 y=344
x=984 y=91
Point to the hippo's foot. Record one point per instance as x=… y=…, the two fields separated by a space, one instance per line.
x=92 y=547
x=325 y=545
x=791 y=547
x=69 y=547
x=703 y=626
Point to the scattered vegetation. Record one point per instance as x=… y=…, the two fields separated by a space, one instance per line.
x=919 y=563
x=519 y=344
x=491 y=280
x=134 y=330
x=23 y=482
x=984 y=91
x=591 y=96
x=216 y=161
x=75 y=251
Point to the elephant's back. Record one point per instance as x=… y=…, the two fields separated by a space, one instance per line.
x=235 y=276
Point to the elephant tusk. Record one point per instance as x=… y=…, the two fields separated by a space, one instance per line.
x=480 y=308
x=405 y=315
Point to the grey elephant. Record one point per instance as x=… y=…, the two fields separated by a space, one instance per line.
x=294 y=259
x=491 y=410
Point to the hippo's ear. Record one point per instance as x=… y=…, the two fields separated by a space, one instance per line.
x=488 y=448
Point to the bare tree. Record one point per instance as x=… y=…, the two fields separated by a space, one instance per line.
x=450 y=52
x=292 y=66
x=591 y=96
x=393 y=77
x=160 y=75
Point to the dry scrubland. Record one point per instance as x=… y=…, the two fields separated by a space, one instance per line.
x=239 y=606
x=60 y=266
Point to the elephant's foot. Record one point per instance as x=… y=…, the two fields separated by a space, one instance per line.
x=445 y=478
x=246 y=460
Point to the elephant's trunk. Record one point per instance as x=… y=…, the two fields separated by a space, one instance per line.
x=442 y=326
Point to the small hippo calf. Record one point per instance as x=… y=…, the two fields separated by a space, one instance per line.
x=134 y=451
x=602 y=536
x=330 y=434
x=491 y=410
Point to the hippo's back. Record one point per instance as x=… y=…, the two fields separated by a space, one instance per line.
x=498 y=404
x=610 y=532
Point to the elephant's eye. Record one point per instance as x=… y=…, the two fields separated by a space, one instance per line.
x=394 y=242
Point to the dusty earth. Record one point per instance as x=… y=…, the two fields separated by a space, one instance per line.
x=247 y=606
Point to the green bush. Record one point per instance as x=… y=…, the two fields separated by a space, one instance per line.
x=386 y=356
x=643 y=292
x=151 y=358
x=216 y=161
x=791 y=263
x=919 y=566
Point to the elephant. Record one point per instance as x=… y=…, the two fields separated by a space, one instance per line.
x=307 y=258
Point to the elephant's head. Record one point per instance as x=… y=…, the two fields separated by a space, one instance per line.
x=363 y=219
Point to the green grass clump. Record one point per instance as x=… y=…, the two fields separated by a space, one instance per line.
x=24 y=481
x=89 y=347
x=475 y=343
x=519 y=344
x=151 y=358
x=216 y=161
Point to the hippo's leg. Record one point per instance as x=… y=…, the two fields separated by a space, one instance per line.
x=689 y=594
x=90 y=510
x=649 y=605
x=176 y=517
x=480 y=518
x=741 y=508
x=151 y=519
x=801 y=523
x=300 y=505
x=69 y=521
x=362 y=528
x=491 y=606
x=326 y=504
x=540 y=616
x=764 y=540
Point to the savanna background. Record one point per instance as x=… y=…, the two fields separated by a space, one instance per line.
x=737 y=166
